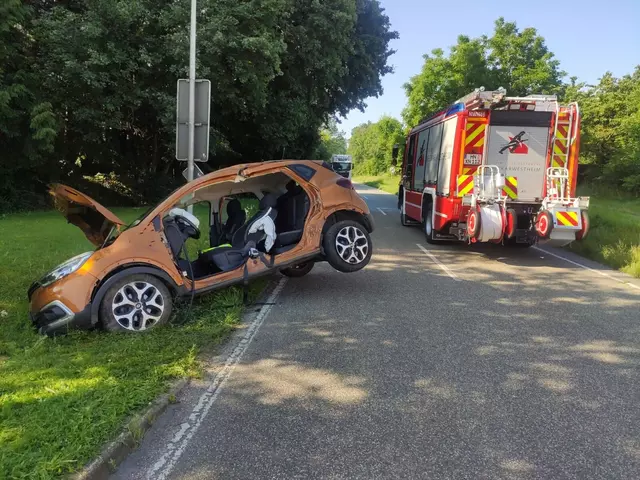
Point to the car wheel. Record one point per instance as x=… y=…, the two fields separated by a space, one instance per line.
x=297 y=271
x=347 y=246
x=136 y=303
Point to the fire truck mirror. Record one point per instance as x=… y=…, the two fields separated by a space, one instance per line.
x=394 y=154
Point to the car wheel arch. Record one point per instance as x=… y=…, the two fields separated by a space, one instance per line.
x=124 y=270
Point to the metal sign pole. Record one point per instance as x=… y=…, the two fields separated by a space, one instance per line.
x=192 y=92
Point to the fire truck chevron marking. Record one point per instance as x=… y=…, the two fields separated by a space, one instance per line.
x=475 y=129
x=465 y=184
x=559 y=148
x=562 y=131
x=567 y=219
x=510 y=188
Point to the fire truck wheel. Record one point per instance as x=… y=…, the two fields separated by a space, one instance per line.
x=473 y=223
x=544 y=224
x=403 y=220
x=427 y=223
x=585 y=225
x=347 y=246
x=512 y=223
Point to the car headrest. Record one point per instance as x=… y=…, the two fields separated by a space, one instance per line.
x=268 y=201
x=234 y=207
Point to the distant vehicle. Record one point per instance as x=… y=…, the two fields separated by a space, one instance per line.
x=342 y=165
x=306 y=214
x=493 y=168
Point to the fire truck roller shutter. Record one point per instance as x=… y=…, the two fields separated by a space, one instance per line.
x=446 y=155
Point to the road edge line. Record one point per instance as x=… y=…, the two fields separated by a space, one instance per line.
x=439 y=263
x=585 y=267
x=185 y=432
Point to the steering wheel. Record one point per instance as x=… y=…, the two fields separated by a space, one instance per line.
x=188 y=227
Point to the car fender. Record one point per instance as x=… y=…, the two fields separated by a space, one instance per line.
x=125 y=270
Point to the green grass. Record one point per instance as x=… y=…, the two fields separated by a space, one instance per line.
x=387 y=183
x=61 y=399
x=614 y=238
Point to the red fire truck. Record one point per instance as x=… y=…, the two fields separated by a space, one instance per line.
x=493 y=168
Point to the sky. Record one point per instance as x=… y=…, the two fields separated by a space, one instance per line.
x=588 y=41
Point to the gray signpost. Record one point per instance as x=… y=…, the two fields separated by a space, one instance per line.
x=201 y=116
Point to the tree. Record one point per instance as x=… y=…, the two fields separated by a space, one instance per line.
x=87 y=87
x=371 y=145
x=610 y=128
x=517 y=61
x=332 y=142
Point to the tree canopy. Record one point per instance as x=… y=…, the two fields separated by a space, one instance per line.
x=516 y=60
x=371 y=144
x=88 y=86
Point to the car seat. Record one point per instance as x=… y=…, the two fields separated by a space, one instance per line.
x=236 y=217
x=259 y=227
x=293 y=207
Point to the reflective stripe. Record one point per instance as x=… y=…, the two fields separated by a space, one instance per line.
x=465 y=184
x=510 y=188
x=567 y=219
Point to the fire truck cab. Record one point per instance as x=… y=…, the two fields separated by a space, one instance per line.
x=493 y=168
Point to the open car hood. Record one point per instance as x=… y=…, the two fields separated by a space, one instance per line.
x=93 y=219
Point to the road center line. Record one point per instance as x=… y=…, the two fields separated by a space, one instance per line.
x=439 y=263
x=585 y=267
x=381 y=211
x=185 y=432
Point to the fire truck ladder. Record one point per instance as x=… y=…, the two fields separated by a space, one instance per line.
x=564 y=134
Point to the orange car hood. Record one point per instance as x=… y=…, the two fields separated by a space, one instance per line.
x=95 y=221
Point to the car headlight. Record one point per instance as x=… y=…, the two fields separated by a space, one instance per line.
x=64 y=269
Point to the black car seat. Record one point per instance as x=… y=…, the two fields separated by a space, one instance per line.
x=293 y=208
x=228 y=258
x=236 y=217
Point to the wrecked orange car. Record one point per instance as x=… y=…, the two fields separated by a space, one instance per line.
x=200 y=239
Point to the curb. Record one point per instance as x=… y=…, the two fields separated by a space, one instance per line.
x=115 y=452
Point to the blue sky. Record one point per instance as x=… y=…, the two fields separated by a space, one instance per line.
x=587 y=40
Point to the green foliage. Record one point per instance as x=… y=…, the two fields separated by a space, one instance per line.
x=332 y=142
x=516 y=60
x=610 y=129
x=386 y=182
x=62 y=399
x=88 y=87
x=371 y=145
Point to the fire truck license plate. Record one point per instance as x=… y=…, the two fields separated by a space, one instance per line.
x=473 y=159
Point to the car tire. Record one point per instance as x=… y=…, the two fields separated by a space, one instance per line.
x=136 y=303
x=427 y=223
x=347 y=246
x=297 y=271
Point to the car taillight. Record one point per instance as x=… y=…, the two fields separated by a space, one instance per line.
x=345 y=183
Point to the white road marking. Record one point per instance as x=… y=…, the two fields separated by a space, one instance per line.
x=183 y=435
x=381 y=211
x=439 y=263
x=364 y=196
x=586 y=268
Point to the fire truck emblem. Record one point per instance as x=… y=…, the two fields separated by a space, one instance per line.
x=421 y=157
x=516 y=145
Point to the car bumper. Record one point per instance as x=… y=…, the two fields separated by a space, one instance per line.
x=56 y=318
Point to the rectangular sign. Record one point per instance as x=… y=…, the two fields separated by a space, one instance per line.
x=202 y=116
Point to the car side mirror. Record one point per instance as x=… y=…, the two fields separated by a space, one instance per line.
x=394 y=154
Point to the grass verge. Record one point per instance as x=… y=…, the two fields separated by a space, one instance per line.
x=614 y=238
x=62 y=399
x=387 y=183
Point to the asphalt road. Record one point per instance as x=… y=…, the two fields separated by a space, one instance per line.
x=433 y=362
